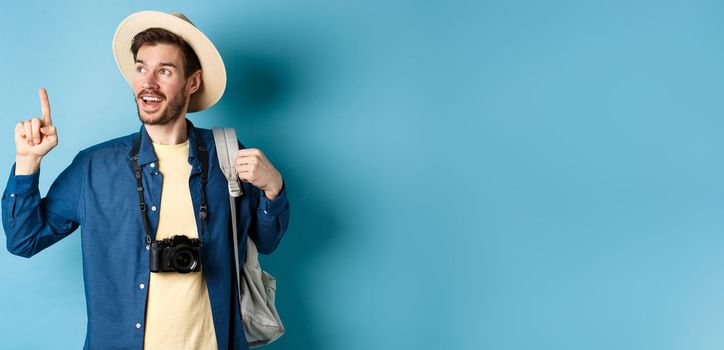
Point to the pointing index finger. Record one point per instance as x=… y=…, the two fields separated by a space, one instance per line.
x=45 y=107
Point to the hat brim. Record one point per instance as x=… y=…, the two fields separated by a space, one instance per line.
x=212 y=66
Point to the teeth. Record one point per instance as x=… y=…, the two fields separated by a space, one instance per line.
x=151 y=99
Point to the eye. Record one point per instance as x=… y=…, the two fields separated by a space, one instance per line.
x=165 y=71
x=140 y=69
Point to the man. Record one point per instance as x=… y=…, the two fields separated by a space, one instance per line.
x=173 y=69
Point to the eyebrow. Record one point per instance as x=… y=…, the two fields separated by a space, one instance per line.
x=162 y=64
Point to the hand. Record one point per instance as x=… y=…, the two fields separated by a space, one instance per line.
x=255 y=168
x=34 y=138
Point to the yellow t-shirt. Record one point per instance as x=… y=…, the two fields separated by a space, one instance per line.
x=178 y=310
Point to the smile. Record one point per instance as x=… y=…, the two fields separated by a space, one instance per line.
x=151 y=99
x=151 y=102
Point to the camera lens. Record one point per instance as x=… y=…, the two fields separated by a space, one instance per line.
x=184 y=260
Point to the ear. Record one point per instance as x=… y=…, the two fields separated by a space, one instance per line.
x=193 y=83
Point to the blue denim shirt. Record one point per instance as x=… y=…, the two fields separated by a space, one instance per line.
x=98 y=193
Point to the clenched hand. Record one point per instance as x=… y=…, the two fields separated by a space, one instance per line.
x=255 y=168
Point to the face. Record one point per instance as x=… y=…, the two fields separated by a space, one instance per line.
x=162 y=91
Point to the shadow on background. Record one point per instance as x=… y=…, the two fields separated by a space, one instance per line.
x=257 y=85
x=259 y=88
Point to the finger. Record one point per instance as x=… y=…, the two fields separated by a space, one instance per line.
x=245 y=168
x=48 y=130
x=249 y=152
x=45 y=107
x=245 y=177
x=51 y=134
x=28 y=132
x=247 y=160
x=246 y=172
x=35 y=127
x=20 y=129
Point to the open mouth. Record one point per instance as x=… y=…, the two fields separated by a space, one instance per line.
x=151 y=102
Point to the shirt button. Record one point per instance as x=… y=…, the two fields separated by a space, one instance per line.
x=147 y=247
x=153 y=208
x=153 y=165
x=12 y=195
x=265 y=212
x=138 y=325
x=141 y=286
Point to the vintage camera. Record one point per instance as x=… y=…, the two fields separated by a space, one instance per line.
x=176 y=254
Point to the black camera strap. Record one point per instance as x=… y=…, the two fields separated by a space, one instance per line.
x=203 y=159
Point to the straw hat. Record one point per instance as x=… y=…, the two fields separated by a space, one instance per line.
x=214 y=72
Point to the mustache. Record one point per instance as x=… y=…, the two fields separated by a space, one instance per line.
x=151 y=93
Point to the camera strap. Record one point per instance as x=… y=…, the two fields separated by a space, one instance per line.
x=203 y=159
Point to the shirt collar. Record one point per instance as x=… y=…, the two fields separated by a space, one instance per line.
x=146 y=153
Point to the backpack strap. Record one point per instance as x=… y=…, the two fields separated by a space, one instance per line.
x=226 y=149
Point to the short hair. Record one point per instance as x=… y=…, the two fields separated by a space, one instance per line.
x=153 y=36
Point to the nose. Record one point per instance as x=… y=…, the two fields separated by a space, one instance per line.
x=149 y=82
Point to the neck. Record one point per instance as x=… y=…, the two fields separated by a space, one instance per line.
x=172 y=133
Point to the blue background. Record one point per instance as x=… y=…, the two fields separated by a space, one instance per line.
x=463 y=175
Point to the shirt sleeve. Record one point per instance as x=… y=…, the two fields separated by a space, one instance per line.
x=272 y=221
x=32 y=223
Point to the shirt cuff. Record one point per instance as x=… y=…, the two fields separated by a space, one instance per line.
x=275 y=206
x=22 y=185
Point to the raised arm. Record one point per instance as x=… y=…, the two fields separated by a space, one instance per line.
x=30 y=223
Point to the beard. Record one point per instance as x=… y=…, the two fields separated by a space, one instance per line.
x=170 y=113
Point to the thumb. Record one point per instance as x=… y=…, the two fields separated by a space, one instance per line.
x=48 y=130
